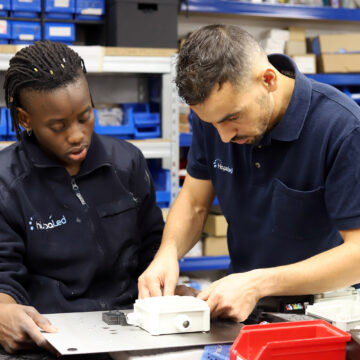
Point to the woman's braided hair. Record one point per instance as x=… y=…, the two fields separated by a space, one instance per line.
x=42 y=66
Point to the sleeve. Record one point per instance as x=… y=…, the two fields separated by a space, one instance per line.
x=197 y=165
x=12 y=269
x=342 y=186
x=150 y=217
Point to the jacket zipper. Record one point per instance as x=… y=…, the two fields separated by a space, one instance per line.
x=77 y=192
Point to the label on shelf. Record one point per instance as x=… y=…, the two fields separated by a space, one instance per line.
x=91 y=11
x=1 y=6
x=62 y=3
x=26 y=36
x=3 y=27
x=60 y=31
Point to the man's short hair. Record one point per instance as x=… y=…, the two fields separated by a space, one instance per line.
x=214 y=55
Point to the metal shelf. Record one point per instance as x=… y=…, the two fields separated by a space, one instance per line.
x=336 y=79
x=204 y=263
x=271 y=10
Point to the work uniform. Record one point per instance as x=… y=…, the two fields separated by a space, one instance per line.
x=286 y=198
x=76 y=243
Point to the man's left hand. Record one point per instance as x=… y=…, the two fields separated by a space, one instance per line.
x=233 y=296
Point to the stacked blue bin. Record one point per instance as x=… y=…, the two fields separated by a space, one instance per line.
x=59 y=9
x=162 y=183
x=353 y=93
x=89 y=9
x=64 y=32
x=3 y=124
x=147 y=124
x=5 y=6
x=124 y=131
x=25 y=32
x=25 y=8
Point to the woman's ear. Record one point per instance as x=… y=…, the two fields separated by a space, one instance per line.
x=23 y=118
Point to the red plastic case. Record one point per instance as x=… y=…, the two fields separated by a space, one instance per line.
x=301 y=340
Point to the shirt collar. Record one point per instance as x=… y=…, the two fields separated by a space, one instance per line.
x=291 y=124
x=95 y=158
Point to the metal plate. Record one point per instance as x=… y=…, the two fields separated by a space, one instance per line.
x=86 y=333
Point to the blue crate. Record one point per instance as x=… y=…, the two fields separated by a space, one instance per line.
x=162 y=182
x=59 y=32
x=24 y=32
x=124 y=131
x=4 y=41
x=28 y=5
x=5 y=5
x=61 y=16
x=5 y=32
x=147 y=124
x=24 y=14
x=60 y=7
x=353 y=93
x=3 y=13
x=3 y=124
x=89 y=9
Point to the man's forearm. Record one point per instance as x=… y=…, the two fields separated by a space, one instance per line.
x=327 y=271
x=183 y=227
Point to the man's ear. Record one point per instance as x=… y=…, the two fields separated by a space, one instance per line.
x=23 y=118
x=269 y=79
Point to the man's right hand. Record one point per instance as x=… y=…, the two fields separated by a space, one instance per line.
x=161 y=276
x=20 y=328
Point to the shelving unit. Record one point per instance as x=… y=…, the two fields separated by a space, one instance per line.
x=271 y=10
x=135 y=61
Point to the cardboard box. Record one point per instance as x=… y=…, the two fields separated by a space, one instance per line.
x=339 y=63
x=306 y=63
x=215 y=246
x=296 y=33
x=216 y=225
x=336 y=43
x=295 y=47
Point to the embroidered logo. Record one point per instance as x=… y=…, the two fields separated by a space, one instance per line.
x=219 y=165
x=46 y=225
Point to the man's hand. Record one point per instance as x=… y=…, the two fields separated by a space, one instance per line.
x=20 y=328
x=233 y=296
x=160 y=277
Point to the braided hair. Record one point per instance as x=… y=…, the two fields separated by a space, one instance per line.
x=42 y=66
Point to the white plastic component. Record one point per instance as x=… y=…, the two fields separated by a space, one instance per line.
x=344 y=314
x=171 y=314
x=348 y=293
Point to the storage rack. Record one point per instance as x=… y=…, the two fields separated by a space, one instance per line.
x=139 y=61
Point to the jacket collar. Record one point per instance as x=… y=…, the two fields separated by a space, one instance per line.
x=290 y=126
x=95 y=158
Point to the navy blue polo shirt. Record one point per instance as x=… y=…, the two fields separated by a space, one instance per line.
x=286 y=198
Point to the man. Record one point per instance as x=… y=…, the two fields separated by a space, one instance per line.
x=281 y=153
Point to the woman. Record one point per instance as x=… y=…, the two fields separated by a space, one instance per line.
x=78 y=218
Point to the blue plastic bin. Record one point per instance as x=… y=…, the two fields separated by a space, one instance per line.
x=64 y=32
x=25 y=31
x=162 y=183
x=3 y=124
x=147 y=124
x=33 y=6
x=353 y=93
x=5 y=32
x=11 y=135
x=89 y=9
x=62 y=8
x=24 y=14
x=5 y=5
x=124 y=131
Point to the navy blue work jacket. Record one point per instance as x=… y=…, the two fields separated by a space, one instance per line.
x=76 y=243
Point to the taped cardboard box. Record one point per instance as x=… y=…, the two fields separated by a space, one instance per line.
x=216 y=225
x=339 y=63
x=336 y=43
x=215 y=246
x=295 y=47
x=296 y=33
